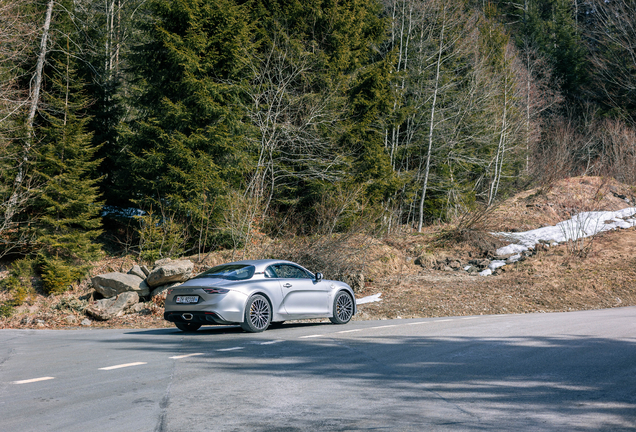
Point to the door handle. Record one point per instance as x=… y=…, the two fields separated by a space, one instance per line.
x=287 y=285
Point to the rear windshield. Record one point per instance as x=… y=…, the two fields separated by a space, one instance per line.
x=229 y=272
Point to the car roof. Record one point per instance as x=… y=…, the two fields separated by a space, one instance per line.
x=262 y=264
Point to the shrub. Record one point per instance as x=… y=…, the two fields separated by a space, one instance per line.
x=6 y=310
x=58 y=275
x=19 y=282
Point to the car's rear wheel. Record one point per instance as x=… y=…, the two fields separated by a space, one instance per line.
x=258 y=314
x=187 y=327
x=342 y=308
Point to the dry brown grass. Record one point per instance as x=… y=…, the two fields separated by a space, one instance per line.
x=540 y=207
x=553 y=280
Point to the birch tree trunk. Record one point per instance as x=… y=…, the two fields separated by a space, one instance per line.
x=17 y=196
x=432 y=124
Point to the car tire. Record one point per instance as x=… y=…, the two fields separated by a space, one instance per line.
x=187 y=327
x=342 y=308
x=258 y=314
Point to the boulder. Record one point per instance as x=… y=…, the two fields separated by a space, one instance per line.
x=170 y=271
x=145 y=270
x=108 y=308
x=137 y=271
x=161 y=291
x=161 y=262
x=70 y=319
x=86 y=322
x=140 y=308
x=112 y=284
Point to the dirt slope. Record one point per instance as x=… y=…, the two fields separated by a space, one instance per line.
x=406 y=269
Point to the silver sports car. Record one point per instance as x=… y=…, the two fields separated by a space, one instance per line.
x=257 y=294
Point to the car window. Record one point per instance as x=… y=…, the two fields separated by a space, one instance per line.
x=287 y=271
x=269 y=273
x=229 y=272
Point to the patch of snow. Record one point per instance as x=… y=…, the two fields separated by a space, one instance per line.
x=582 y=225
x=467 y=267
x=496 y=264
x=513 y=259
x=369 y=299
x=486 y=272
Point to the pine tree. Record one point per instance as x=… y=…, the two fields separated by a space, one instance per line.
x=187 y=145
x=65 y=210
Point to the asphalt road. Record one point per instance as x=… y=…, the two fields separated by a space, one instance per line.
x=562 y=371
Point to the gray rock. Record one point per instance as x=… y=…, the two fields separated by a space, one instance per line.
x=171 y=271
x=162 y=289
x=145 y=270
x=112 y=284
x=70 y=319
x=140 y=308
x=137 y=271
x=26 y=320
x=108 y=308
x=480 y=263
x=454 y=264
x=355 y=281
x=161 y=262
x=86 y=322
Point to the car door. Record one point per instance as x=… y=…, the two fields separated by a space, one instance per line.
x=302 y=294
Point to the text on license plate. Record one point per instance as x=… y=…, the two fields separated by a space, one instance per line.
x=187 y=299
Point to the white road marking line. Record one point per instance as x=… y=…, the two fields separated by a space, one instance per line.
x=442 y=320
x=310 y=336
x=419 y=322
x=469 y=318
x=185 y=356
x=33 y=380
x=379 y=327
x=350 y=331
x=271 y=342
x=123 y=365
x=230 y=349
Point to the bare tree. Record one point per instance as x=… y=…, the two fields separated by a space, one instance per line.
x=615 y=61
x=292 y=121
x=19 y=189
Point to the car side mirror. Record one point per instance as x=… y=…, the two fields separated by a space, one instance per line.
x=319 y=277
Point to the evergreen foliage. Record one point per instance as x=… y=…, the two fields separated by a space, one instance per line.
x=225 y=120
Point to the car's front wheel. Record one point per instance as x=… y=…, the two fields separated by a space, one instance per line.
x=187 y=327
x=342 y=308
x=258 y=314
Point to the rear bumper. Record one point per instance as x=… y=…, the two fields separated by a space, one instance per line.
x=196 y=317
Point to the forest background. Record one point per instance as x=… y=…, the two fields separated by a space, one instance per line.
x=164 y=128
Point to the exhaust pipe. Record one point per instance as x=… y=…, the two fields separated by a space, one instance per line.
x=187 y=316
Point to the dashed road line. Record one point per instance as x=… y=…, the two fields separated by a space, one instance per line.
x=230 y=349
x=123 y=365
x=311 y=336
x=419 y=322
x=28 y=381
x=185 y=356
x=271 y=342
x=350 y=331
x=384 y=326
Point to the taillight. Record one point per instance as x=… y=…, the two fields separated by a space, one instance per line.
x=216 y=290
x=169 y=291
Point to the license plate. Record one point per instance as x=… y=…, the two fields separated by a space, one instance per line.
x=186 y=299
